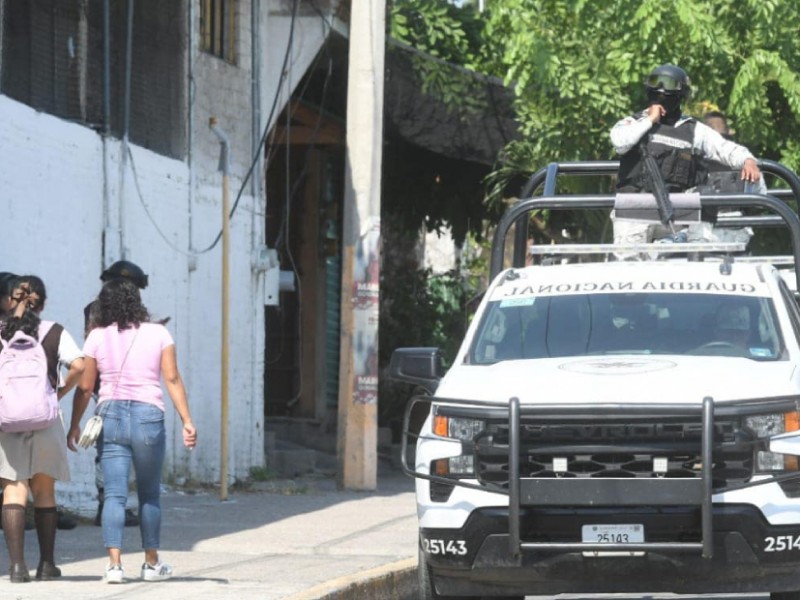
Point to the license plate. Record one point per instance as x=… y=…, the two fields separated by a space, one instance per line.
x=613 y=534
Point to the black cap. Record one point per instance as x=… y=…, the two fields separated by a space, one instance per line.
x=124 y=269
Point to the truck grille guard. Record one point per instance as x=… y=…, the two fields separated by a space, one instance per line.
x=599 y=491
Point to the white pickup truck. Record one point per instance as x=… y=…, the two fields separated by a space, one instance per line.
x=621 y=426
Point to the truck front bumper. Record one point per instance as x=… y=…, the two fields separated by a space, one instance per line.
x=749 y=555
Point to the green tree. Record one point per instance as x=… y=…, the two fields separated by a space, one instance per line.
x=578 y=66
x=439 y=28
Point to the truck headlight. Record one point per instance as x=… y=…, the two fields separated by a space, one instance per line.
x=457 y=466
x=766 y=426
x=458 y=428
x=464 y=430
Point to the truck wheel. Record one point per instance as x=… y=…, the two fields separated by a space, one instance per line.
x=428 y=592
x=784 y=596
x=426 y=589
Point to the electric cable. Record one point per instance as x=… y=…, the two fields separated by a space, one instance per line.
x=282 y=238
x=291 y=194
x=126 y=148
x=254 y=162
x=264 y=136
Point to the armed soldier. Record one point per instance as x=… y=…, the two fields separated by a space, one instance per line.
x=678 y=144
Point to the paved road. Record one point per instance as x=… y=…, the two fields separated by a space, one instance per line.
x=260 y=544
x=652 y=597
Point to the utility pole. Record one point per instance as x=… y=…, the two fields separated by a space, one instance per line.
x=224 y=164
x=357 y=436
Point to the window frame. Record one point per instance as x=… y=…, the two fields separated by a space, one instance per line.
x=218 y=29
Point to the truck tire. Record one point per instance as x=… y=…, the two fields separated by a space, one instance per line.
x=428 y=592
x=426 y=589
x=784 y=596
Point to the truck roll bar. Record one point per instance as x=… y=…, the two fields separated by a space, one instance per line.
x=572 y=202
x=549 y=174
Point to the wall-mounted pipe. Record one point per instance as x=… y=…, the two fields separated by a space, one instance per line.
x=224 y=166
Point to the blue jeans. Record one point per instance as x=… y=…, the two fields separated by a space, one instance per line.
x=133 y=433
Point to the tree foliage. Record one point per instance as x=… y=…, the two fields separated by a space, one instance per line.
x=418 y=309
x=578 y=67
x=438 y=28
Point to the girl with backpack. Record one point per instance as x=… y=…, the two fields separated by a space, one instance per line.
x=131 y=355
x=31 y=460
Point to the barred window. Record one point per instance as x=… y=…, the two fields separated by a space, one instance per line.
x=218 y=28
x=53 y=60
x=44 y=57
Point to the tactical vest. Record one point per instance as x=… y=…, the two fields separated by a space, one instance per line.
x=672 y=149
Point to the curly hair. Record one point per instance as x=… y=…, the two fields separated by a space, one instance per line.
x=119 y=302
x=29 y=289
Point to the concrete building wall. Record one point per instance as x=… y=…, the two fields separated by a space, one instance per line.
x=74 y=202
x=307 y=30
x=221 y=89
x=52 y=182
x=224 y=90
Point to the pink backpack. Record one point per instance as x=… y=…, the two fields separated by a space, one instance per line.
x=28 y=400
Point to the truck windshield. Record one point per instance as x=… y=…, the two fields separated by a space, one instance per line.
x=636 y=323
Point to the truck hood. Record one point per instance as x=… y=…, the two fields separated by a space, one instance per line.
x=620 y=379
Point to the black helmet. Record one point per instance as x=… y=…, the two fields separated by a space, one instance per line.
x=123 y=269
x=669 y=79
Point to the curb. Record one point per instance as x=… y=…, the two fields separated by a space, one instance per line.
x=393 y=581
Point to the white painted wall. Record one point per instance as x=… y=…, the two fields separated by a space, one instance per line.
x=310 y=31
x=52 y=178
x=51 y=196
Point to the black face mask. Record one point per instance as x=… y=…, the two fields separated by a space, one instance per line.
x=670 y=102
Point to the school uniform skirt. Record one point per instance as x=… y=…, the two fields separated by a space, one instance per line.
x=24 y=454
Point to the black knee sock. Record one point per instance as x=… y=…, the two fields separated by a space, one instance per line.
x=46 y=520
x=13 y=516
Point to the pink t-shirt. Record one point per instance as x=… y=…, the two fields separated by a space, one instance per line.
x=137 y=353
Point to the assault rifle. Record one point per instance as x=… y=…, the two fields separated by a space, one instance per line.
x=652 y=174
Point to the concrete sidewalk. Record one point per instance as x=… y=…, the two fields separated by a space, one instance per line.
x=281 y=540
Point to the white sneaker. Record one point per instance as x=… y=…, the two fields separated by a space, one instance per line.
x=114 y=574
x=157 y=572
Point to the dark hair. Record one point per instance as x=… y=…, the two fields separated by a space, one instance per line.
x=714 y=114
x=119 y=302
x=6 y=280
x=31 y=290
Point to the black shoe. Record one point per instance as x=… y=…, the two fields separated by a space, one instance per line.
x=18 y=573
x=46 y=571
x=65 y=521
x=131 y=519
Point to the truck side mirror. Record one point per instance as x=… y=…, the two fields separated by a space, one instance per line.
x=419 y=366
